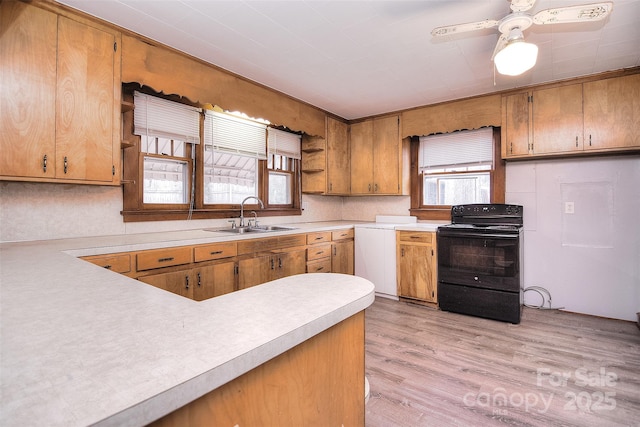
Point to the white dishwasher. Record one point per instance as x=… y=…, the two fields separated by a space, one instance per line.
x=375 y=252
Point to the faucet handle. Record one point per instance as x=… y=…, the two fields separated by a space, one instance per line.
x=233 y=223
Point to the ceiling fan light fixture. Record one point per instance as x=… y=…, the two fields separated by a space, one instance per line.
x=517 y=56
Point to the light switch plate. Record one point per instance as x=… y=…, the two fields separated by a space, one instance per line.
x=569 y=207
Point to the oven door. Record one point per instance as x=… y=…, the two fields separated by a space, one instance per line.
x=483 y=258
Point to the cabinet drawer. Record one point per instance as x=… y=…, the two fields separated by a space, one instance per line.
x=319 y=251
x=120 y=263
x=342 y=234
x=158 y=258
x=415 y=236
x=313 y=238
x=320 y=266
x=216 y=251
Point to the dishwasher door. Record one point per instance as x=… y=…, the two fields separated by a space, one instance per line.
x=375 y=258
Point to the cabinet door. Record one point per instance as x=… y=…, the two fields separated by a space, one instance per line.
x=516 y=125
x=557 y=119
x=338 y=168
x=84 y=102
x=386 y=155
x=612 y=113
x=254 y=271
x=361 y=140
x=342 y=257
x=289 y=263
x=178 y=282
x=28 y=95
x=213 y=280
x=415 y=272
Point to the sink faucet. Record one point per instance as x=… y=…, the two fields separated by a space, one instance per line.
x=242 y=208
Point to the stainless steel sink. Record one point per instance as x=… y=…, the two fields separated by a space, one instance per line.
x=258 y=229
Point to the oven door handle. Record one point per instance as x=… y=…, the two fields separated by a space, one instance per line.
x=479 y=235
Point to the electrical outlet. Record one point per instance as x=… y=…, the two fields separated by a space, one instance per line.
x=569 y=208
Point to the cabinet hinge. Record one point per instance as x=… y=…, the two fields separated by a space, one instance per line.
x=530 y=98
x=432 y=254
x=115 y=46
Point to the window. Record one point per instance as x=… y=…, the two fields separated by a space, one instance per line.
x=456 y=168
x=233 y=146
x=282 y=164
x=170 y=174
x=166 y=131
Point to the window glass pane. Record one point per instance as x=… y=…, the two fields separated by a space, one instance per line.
x=279 y=188
x=456 y=189
x=165 y=181
x=229 y=178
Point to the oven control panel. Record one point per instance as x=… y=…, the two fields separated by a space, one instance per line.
x=487 y=214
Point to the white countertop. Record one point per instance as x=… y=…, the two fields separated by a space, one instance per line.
x=81 y=345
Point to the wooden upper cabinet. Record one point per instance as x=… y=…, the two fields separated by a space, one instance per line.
x=85 y=102
x=386 y=155
x=515 y=125
x=557 y=119
x=612 y=113
x=60 y=98
x=376 y=156
x=28 y=95
x=338 y=168
x=361 y=144
x=592 y=116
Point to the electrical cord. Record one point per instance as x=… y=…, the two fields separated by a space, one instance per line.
x=544 y=293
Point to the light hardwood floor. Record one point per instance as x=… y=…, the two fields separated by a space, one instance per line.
x=433 y=368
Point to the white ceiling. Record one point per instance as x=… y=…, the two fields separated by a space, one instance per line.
x=362 y=58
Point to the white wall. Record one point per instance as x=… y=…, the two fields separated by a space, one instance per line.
x=36 y=211
x=589 y=260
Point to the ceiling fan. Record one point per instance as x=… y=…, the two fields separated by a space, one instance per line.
x=512 y=56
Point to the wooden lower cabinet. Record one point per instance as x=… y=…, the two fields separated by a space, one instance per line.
x=214 y=280
x=207 y=271
x=416 y=266
x=258 y=269
x=320 y=382
x=196 y=283
x=342 y=257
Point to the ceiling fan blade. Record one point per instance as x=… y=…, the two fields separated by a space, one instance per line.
x=522 y=5
x=580 y=13
x=463 y=28
x=502 y=42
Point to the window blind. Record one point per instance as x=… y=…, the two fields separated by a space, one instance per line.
x=283 y=143
x=456 y=148
x=232 y=134
x=160 y=118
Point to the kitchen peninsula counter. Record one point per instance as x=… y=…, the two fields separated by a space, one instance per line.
x=81 y=345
